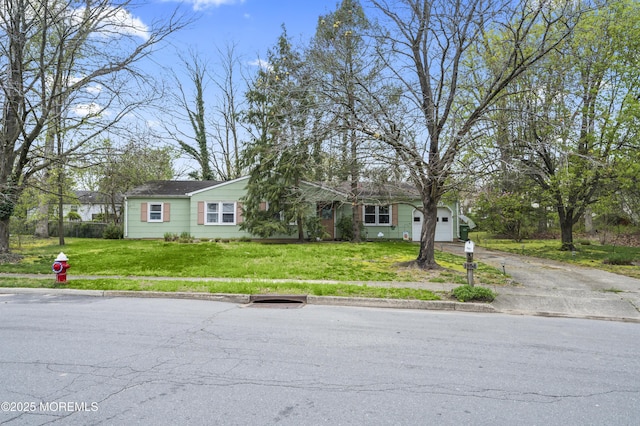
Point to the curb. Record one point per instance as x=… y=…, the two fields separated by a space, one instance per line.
x=546 y=314
x=244 y=299
x=62 y=291
x=434 y=305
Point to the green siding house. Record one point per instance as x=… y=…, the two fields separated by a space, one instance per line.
x=213 y=210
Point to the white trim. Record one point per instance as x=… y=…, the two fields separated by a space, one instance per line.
x=220 y=213
x=149 y=204
x=126 y=218
x=221 y=184
x=377 y=215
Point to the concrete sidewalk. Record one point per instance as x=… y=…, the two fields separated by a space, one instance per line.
x=542 y=287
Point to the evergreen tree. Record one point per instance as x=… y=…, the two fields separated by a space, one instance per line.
x=278 y=154
x=344 y=64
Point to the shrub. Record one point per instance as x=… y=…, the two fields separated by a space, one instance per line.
x=168 y=236
x=186 y=237
x=73 y=216
x=467 y=293
x=315 y=230
x=113 y=232
x=344 y=226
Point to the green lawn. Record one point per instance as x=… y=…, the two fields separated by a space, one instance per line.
x=230 y=287
x=255 y=263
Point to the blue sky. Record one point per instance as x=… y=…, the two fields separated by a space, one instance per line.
x=254 y=25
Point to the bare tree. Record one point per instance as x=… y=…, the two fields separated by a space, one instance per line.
x=226 y=120
x=210 y=101
x=195 y=145
x=81 y=54
x=431 y=47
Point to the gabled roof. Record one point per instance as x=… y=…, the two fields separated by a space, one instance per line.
x=94 y=197
x=174 y=188
x=383 y=192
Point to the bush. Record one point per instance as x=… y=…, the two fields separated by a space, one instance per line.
x=344 y=226
x=73 y=216
x=185 y=237
x=113 y=232
x=79 y=229
x=467 y=293
x=315 y=230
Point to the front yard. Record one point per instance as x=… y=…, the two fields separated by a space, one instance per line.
x=240 y=267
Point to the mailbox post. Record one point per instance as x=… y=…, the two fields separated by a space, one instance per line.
x=469 y=265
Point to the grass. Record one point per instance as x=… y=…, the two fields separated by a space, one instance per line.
x=617 y=259
x=376 y=261
x=231 y=287
x=246 y=261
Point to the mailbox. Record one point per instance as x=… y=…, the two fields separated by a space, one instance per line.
x=468 y=247
x=469 y=265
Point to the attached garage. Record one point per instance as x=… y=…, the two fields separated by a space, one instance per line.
x=444 y=225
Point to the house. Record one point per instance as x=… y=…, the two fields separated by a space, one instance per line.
x=93 y=206
x=88 y=205
x=212 y=210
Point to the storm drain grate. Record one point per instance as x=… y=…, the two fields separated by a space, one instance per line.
x=282 y=301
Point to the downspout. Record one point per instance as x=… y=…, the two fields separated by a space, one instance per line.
x=126 y=217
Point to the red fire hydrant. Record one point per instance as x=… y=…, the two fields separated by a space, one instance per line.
x=60 y=267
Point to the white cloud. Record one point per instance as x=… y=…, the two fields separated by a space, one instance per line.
x=205 y=4
x=122 y=22
x=92 y=108
x=96 y=89
x=113 y=21
x=154 y=124
x=261 y=63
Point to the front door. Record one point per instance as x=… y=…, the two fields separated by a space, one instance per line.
x=327 y=213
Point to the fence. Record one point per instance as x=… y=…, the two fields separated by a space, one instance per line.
x=71 y=229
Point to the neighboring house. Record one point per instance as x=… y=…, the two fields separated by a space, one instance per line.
x=92 y=206
x=89 y=205
x=212 y=209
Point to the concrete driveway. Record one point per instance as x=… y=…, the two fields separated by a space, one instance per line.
x=546 y=287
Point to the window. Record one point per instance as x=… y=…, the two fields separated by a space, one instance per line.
x=377 y=215
x=155 y=212
x=221 y=213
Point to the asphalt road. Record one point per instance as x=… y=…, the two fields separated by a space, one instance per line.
x=82 y=360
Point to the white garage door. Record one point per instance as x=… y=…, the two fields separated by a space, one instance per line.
x=444 y=226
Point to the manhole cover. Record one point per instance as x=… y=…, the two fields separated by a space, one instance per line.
x=278 y=301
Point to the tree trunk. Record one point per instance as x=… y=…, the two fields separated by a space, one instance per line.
x=300 y=229
x=588 y=221
x=355 y=213
x=4 y=235
x=566 y=229
x=60 y=215
x=426 y=257
x=355 y=222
